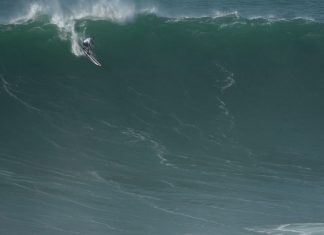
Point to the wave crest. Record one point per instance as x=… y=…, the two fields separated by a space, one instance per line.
x=65 y=16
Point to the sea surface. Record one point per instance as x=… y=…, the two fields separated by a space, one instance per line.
x=206 y=117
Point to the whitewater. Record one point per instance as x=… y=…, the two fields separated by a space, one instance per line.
x=206 y=117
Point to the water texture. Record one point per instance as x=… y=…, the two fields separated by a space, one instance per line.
x=206 y=118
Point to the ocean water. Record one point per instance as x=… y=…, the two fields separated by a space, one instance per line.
x=206 y=118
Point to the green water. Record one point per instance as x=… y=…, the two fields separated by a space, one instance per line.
x=192 y=126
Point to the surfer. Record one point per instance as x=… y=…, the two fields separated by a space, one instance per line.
x=88 y=44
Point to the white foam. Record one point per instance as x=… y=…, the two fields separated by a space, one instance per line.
x=114 y=10
x=67 y=31
x=159 y=149
x=33 y=11
x=273 y=18
x=65 y=17
x=219 y=14
x=306 y=18
x=297 y=229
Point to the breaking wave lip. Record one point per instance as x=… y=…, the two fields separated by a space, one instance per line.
x=119 y=11
x=32 y=12
x=273 y=18
x=297 y=229
x=113 y=10
x=65 y=20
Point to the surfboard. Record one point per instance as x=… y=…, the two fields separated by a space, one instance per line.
x=90 y=55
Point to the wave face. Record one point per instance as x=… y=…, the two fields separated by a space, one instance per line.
x=202 y=125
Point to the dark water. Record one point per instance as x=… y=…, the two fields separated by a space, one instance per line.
x=198 y=125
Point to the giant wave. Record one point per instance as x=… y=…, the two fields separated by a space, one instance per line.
x=194 y=125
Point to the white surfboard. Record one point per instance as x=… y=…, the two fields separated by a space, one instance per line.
x=90 y=55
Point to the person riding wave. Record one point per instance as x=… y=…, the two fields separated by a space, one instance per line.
x=88 y=43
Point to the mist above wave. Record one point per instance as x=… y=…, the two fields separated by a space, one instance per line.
x=123 y=10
